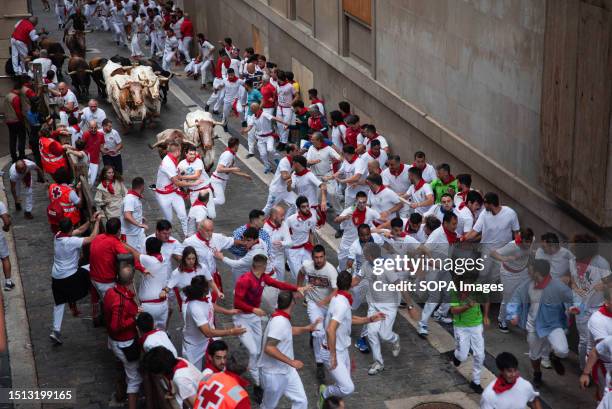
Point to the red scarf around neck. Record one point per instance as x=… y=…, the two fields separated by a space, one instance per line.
x=542 y=284
x=380 y=189
x=605 y=311
x=188 y=270
x=371 y=153
x=144 y=336
x=582 y=266
x=232 y=79
x=323 y=146
x=281 y=313
x=359 y=216
x=108 y=186
x=157 y=256
x=419 y=185
x=501 y=385
x=135 y=193
x=199 y=236
x=258 y=113
x=198 y=202
x=271 y=224
x=173 y=158
x=449 y=179
x=303 y=217
x=399 y=171
x=230 y=150
x=347 y=295
x=353 y=159
x=194 y=159
x=302 y=172
x=450 y=236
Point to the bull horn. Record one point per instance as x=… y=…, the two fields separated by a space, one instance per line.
x=97 y=68
x=88 y=71
x=157 y=72
x=72 y=72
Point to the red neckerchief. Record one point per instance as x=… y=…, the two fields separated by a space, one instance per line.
x=542 y=284
x=323 y=146
x=274 y=227
x=135 y=193
x=282 y=83
x=60 y=235
x=582 y=266
x=232 y=79
x=346 y=294
x=419 y=185
x=229 y=150
x=359 y=216
x=449 y=179
x=380 y=189
x=180 y=364
x=302 y=172
x=400 y=170
x=415 y=165
x=302 y=217
x=194 y=159
x=76 y=128
x=258 y=113
x=144 y=337
x=372 y=154
x=199 y=236
x=450 y=236
x=108 y=186
x=501 y=385
x=461 y=205
x=353 y=159
x=316 y=101
x=210 y=366
x=302 y=111
x=290 y=159
x=605 y=311
x=376 y=135
x=198 y=202
x=281 y=313
x=173 y=159
x=518 y=239
x=463 y=195
x=188 y=270
x=157 y=256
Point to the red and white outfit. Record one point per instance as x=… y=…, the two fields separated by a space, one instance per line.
x=247 y=297
x=167 y=194
x=278 y=188
x=382 y=200
x=195 y=314
x=429 y=172
x=398 y=182
x=349 y=168
x=501 y=395
x=338 y=135
x=381 y=158
x=279 y=379
x=328 y=157
x=219 y=180
x=197 y=213
x=261 y=123
x=21 y=40
x=418 y=193
x=300 y=227
x=367 y=216
x=286 y=93
x=23 y=182
x=180 y=279
x=362 y=140
x=186 y=378
x=186 y=30
x=134 y=235
x=189 y=168
x=231 y=90
x=205 y=250
x=157 y=338
x=305 y=183
x=64 y=112
x=277 y=252
x=154 y=280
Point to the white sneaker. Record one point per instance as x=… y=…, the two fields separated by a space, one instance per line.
x=443 y=319
x=376 y=368
x=545 y=363
x=395 y=348
x=422 y=331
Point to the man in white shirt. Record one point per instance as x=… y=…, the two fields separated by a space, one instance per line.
x=261 y=123
x=278 y=230
x=497 y=225
x=198 y=212
x=286 y=96
x=4 y=249
x=20 y=176
x=338 y=322
x=562 y=261
x=118 y=18
x=302 y=226
x=45 y=64
x=226 y=166
x=231 y=85
x=154 y=279
x=170 y=50
x=509 y=390
x=278 y=186
x=375 y=153
x=428 y=172
x=92 y=113
x=111 y=150
x=304 y=183
x=321 y=159
x=206 y=56
x=385 y=201
x=367 y=136
x=352 y=173
x=68 y=104
x=151 y=337
x=192 y=169
x=132 y=221
x=446 y=206
x=420 y=195
x=322 y=277
x=395 y=177
x=277 y=363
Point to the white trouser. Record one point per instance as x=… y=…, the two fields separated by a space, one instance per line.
x=135 y=45
x=93 y=174
x=104 y=21
x=131 y=368
x=218 y=186
x=491 y=270
x=19 y=51
x=58 y=317
x=59 y=12
x=173 y=201
x=381 y=330
x=318 y=335
x=359 y=292
x=335 y=195
x=275 y=198
x=538 y=347
x=216 y=98
x=278 y=259
x=159 y=311
x=194 y=353
x=584 y=335
x=167 y=60
x=227 y=111
x=343 y=248
x=119 y=33
x=275 y=386
x=467 y=338
x=510 y=281
x=210 y=206
x=186 y=47
x=156 y=43
x=265 y=146
x=102 y=288
x=21 y=188
x=295 y=259
x=343 y=384
x=136 y=240
x=206 y=71
x=435 y=297
x=287 y=114
x=193 y=67
x=251 y=137
x=251 y=340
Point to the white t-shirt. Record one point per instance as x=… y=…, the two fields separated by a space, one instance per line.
x=516 y=397
x=383 y=200
x=356 y=251
x=362 y=140
x=419 y=196
x=131 y=203
x=464 y=217
x=166 y=171
x=190 y=168
x=420 y=235
x=285 y=95
x=170 y=45
x=16 y=177
x=600 y=326
x=197 y=213
x=186 y=382
x=206 y=49
x=226 y=159
x=339 y=310
x=562 y=263
x=429 y=173
x=349 y=169
x=437 y=244
x=112 y=141
x=261 y=124
x=586 y=279
x=496 y=230
x=71 y=97
x=278 y=328
x=535 y=295
x=195 y=314
x=300 y=229
x=66 y=254
x=382 y=158
x=323 y=280
x=278 y=234
x=87 y=115
x=327 y=155
x=278 y=184
x=158 y=338
x=338 y=135
x=75 y=134
x=169 y=248
x=400 y=183
x=349 y=227
x=403 y=244
x=232 y=89
x=152 y=284
x=205 y=250
x=306 y=185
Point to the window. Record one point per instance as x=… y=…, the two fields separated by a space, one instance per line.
x=304 y=12
x=359 y=9
x=357 y=33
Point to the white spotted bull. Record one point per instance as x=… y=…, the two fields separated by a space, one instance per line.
x=199 y=131
x=163 y=138
x=125 y=94
x=150 y=86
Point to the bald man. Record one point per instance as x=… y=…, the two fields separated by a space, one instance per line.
x=92 y=112
x=280 y=238
x=68 y=103
x=20 y=175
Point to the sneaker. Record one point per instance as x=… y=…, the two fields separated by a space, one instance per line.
x=321 y=401
x=320 y=373
x=443 y=319
x=267 y=170
x=18 y=206
x=152 y=186
x=503 y=328
x=8 y=285
x=56 y=337
x=395 y=348
x=537 y=379
x=476 y=388
x=28 y=215
x=556 y=364
x=456 y=362
x=257 y=394
x=422 y=331
x=376 y=368
x=545 y=363
x=339 y=233
x=362 y=345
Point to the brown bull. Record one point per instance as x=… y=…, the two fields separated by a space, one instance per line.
x=56 y=54
x=96 y=65
x=80 y=74
x=131 y=96
x=75 y=41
